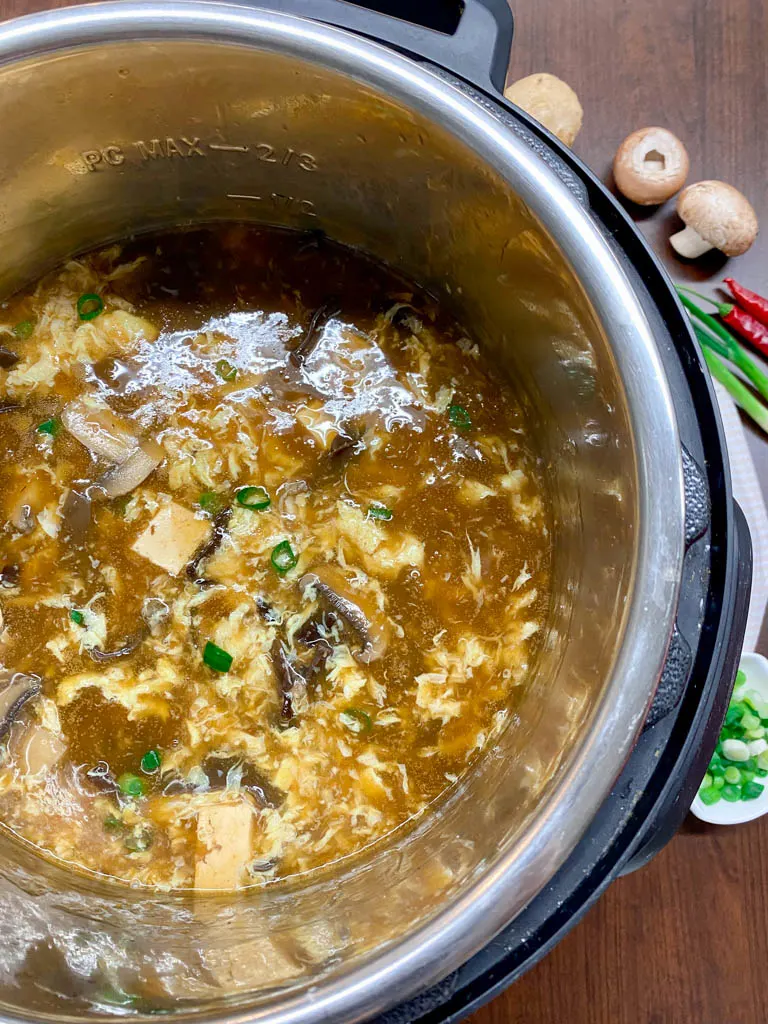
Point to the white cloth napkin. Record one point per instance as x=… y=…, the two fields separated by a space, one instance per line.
x=749 y=494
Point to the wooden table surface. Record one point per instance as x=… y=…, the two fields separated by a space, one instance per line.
x=685 y=939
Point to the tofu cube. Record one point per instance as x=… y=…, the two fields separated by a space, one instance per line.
x=172 y=538
x=224 y=835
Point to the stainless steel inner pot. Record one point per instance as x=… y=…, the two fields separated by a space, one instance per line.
x=123 y=117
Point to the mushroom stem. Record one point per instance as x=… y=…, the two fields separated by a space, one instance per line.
x=689 y=243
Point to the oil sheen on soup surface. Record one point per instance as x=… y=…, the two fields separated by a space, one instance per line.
x=274 y=557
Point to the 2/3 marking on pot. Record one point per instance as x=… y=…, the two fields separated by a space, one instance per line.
x=184 y=147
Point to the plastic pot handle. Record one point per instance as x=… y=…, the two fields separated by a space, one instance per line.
x=478 y=51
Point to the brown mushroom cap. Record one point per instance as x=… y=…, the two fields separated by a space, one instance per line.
x=650 y=165
x=551 y=101
x=720 y=214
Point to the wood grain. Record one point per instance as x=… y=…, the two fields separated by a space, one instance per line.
x=685 y=940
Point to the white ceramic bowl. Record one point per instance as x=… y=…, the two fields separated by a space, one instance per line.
x=755 y=668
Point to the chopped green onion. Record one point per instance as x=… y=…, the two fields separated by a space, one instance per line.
x=113 y=824
x=51 y=427
x=719 y=782
x=731 y=793
x=379 y=512
x=751 y=790
x=151 y=762
x=217 y=658
x=459 y=417
x=732 y=775
x=211 y=502
x=226 y=370
x=706 y=781
x=734 y=714
x=130 y=785
x=254 y=498
x=77 y=617
x=138 y=842
x=89 y=306
x=738 y=391
x=356 y=720
x=741 y=677
x=710 y=795
x=283 y=557
x=24 y=329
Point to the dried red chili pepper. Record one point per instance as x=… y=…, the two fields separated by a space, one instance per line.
x=743 y=324
x=748 y=300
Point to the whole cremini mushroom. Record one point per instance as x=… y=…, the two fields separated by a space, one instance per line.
x=551 y=101
x=716 y=216
x=650 y=165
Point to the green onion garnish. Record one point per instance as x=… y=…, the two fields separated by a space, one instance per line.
x=255 y=498
x=356 y=720
x=24 y=329
x=459 y=417
x=51 y=427
x=379 y=512
x=131 y=785
x=89 y=306
x=151 y=762
x=113 y=824
x=211 y=502
x=283 y=557
x=217 y=658
x=226 y=370
x=77 y=616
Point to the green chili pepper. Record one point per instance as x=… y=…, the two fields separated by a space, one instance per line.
x=77 y=617
x=24 y=329
x=459 y=417
x=211 y=502
x=51 y=427
x=226 y=370
x=130 y=785
x=89 y=306
x=255 y=498
x=283 y=557
x=356 y=720
x=151 y=762
x=380 y=512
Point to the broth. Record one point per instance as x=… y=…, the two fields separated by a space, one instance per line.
x=276 y=556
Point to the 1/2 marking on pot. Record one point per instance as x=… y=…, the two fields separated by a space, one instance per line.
x=279 y=201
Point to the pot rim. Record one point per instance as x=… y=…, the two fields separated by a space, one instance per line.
x=470 y=921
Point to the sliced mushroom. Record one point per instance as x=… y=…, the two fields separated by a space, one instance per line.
x=218 y=767
x=76 y=517
x=38 y=749
x=102 y=777
x=22 y=518
x=7 y=358
x=18 y=689
x=156 y=614
x=127 y=648
x=126 y=476
x=10 y=576
x=367 y=624
x=210 y=547
x=312 y=334
x=94 y=425
x=9 y=407
x=118 y=376
x=292 y=683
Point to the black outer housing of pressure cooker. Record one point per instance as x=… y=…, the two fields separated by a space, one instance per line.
x=652 y=795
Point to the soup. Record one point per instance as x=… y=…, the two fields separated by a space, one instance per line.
x=275 y=557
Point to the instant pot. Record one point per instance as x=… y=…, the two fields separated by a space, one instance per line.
x=127 y=117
